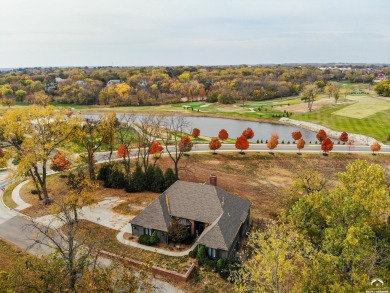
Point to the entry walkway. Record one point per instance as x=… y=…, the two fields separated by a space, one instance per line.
x=127 y=229
x=21 y=204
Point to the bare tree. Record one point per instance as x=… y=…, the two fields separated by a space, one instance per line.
x=126 y=138
x=174 y=127
x=148 y=128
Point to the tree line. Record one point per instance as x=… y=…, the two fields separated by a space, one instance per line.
x=162 y=85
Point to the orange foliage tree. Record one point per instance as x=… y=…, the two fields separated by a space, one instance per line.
x=123 y=151
x=223 y=134
x=321 y=135
x=60 y=163
x=214 y=144
x=185 y=144
x=242 y=144
x=248 y=133
x=296 y=135
x=155 y=148
x=343 y=137
x=300 y=144
x=327 y=145
x=375 y=147
x=273 y=141
x=195 y=133
x=388 y=138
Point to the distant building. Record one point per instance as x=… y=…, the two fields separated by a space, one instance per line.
x=143 y=83
x=59 y=80
x=113 y=81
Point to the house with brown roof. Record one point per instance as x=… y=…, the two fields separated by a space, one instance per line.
x=216 y=218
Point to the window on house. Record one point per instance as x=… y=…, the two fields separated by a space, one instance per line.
x=212 y=252
x=148 y=231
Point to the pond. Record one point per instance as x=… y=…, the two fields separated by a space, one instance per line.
x=210 y=126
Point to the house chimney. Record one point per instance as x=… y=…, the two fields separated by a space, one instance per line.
x=213 y=180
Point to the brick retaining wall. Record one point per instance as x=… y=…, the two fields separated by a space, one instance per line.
x=157 y=270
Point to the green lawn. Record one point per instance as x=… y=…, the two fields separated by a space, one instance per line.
x=377 y=125
x=363 y=107
x=7 y=196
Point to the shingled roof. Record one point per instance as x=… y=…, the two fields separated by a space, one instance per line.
x=223 y=211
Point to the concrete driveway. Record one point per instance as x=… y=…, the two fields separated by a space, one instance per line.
x=102 y=214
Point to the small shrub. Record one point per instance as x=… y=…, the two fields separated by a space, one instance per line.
x=288 y=142
x=115 y=180
x=34 y=191
x=192 y=254
x=154 y=238
x=144 y=239
x=282 y=141
x=201 y=256
x=221 y=264
x=258 y=141
x=104 y=172
x=261 y=141
x=210 y=264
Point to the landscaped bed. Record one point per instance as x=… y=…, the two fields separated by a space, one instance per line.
x=105 y=238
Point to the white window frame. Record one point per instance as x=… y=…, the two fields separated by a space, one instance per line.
x=148 y=231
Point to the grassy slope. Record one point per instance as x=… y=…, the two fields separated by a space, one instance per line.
x=377 y=125
x=7 y=196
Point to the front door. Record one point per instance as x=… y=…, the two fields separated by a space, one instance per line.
x=199 y=227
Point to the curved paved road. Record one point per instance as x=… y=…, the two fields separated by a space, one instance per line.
x=103 y=156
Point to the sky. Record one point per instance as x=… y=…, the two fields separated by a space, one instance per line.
x=192 y=32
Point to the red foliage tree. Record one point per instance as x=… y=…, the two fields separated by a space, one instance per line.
x=185 y=144
x=155 y=148
x=375 y=147
x=195 y=132
x=242 y=143
x=327 y=145
x=273 y=141
x=296 y=135
x=60 y=163
x=123 y=151
x=300 y=144
x=223 y=134
x=343 y=137
x=248 y=133
x=214 y=144
x=321 y=135
x=388 y=138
